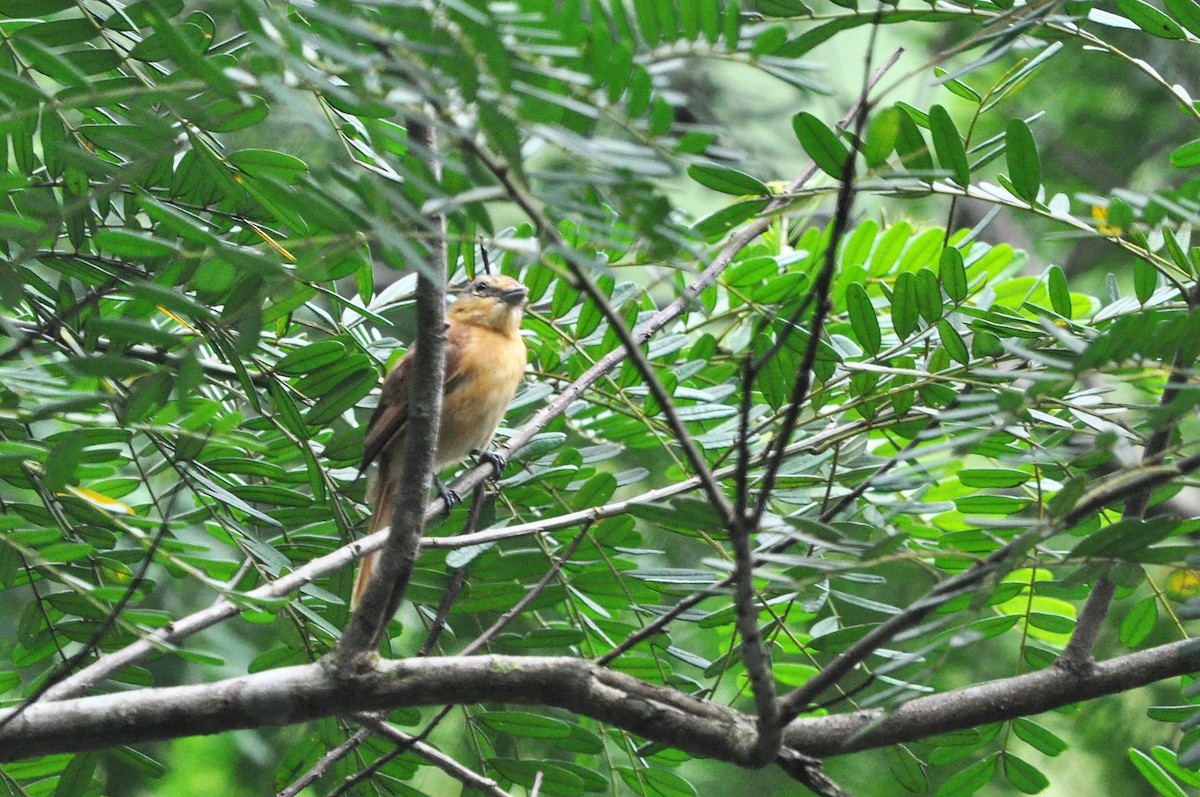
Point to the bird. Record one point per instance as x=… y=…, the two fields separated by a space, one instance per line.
x=485 y=364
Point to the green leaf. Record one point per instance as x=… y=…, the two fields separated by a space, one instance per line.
x=710 y=20
x=992 y=477
x=1186 y=13
x=1188 y=155
x=556 y=778
x=1125 y=538
x=647 y=19
x=858 y=245
x=779 y=8
x=717 y=224
x=264 y=162
x=990 y=504
x=181 y=43
x=1154 y=774
x=344 y=395
x=59 y=33
x=1060 y=294
x=1024 y=166
x=949 y=146
x=953 y=342
x=922 y=249
x=595 y=491
x=862 y=318
x=1140 y=621
x=311 y=357
x=1171 y=714
x=905 y=315
x=1023 y=776
x=906 y=768
x=1169 y=761
x=727 y=180
x=1039 y=738
x=133 y=244
x=1145 y=280
x=752 y=271
x=957 y=87
x=887 y=250
x=529 y=726
x=953 y=274
x=969 y=780
x=881 y=137
x=731 y=25
x=929 y=296
x=1019 y=75
x=914 y=152
x=1150 y=19
x=822 y=144
x=657 y=783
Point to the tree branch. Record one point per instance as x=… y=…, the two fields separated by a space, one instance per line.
x=1006 y=699
x=308 y=692
x=386 y=589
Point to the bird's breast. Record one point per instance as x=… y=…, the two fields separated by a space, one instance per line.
x=491 y=370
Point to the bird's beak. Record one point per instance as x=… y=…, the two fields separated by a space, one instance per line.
x=514 y=297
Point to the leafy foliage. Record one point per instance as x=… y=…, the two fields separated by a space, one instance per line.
x=204 y=227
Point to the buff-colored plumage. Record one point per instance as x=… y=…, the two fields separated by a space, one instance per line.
x=485 y=362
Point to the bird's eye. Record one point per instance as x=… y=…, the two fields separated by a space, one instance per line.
x=479 y=289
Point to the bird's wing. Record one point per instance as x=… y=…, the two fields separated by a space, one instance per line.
x=391 y=414
x=392 y=411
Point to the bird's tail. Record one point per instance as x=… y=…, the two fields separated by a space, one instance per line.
x=379 y=520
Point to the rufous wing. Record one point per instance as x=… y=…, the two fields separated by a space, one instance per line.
x=385 y=439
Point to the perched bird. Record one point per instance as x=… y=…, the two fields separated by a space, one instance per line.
x=485 y=362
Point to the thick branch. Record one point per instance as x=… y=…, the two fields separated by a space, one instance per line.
x=300 y=694
x=1024 y=695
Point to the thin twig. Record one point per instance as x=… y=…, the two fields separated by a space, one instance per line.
x=331 y=757
x=402 y=748
x=823 y=284
x=464 y=775
x=528 y=598
x=457 y=577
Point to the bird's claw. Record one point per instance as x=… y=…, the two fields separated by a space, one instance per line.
x=449 y=497
x=491 y=456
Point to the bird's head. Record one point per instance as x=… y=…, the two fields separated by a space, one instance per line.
x=491 y=300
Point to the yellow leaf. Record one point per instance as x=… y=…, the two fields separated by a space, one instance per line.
x=272 y=242
x=100 y=501
x=175 y=318
x=1100 y=214
x=1182 y=584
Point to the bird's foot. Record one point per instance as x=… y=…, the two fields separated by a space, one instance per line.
x=496 y=459
x=448 y=496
